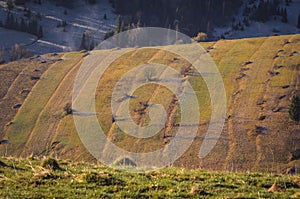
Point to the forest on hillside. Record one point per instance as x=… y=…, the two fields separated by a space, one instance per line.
x=187 y=16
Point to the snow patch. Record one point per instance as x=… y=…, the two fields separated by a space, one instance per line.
x=80 y=18
x=258 y=29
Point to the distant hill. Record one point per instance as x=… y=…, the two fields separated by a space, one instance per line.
x=260 y=74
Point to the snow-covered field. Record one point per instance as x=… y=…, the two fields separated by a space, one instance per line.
x=80 y=18
x=258 y=29
x=10 y=37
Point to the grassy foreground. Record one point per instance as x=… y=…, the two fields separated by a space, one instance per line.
x=31 y=178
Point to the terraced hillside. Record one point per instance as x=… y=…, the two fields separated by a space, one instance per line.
x=260 y=75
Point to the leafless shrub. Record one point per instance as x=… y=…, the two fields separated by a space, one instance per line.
x=2 y=56
x=19 y=52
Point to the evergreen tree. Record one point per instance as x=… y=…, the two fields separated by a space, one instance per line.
x=294 y=110
x=16 y=25
x=2 y=56
x=109 y=34
x=23 y=26
x=87 y=41
x=118 y=25
x=83 y=44
x=10 y=4
x=7 y=21
x=90 y=43
x=298 y=25
x=40 y=33
x=287 y=2
x=284 y=16
x=246 y=22
x=11 y=21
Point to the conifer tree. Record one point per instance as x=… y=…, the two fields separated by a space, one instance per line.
x=40 y=33
x=7 y=21
x=298 y=24
x=10 y=4
x=23 y=26
x=16 y=25
x=118 y=25
x=284 y=16
x=83 y=42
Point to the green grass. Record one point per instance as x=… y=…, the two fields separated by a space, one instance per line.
x=25 y=178
x=26 y=118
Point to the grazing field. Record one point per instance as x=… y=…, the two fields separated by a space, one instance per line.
x=260 y=75
x=32 y=178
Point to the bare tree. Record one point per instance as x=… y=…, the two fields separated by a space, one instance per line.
x=2 y=56
x=18 y=52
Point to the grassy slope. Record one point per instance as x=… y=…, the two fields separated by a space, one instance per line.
x=25 y=121
x=16 y=83
x=23 y=178
x=40 y=122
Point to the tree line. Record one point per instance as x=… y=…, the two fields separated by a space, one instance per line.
x=187 y=16
x=269 y=8
x=32 y=26
x=194 y=16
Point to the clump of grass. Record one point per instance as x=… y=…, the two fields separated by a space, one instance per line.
x=125 y=162
x=99 y=178
x=196 y=190
x=43 y=175
x=68 y=109
x=51 y=164
x=276 y=188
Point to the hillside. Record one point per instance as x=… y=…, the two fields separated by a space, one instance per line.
x=63 y=24
x=260 y=76
x=32 y=178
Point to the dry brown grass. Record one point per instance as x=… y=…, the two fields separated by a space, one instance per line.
x=15 y=86
x=255 y=137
